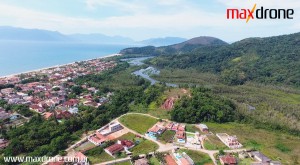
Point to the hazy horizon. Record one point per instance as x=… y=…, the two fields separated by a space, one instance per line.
x=142 y=20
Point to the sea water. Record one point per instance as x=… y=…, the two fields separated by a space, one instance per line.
x=22 y=56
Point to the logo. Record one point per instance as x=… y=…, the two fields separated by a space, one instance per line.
x=259 y=13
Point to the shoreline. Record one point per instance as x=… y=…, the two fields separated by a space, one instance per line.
x=56 y=66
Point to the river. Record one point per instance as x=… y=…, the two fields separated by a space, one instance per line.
x=147 y=72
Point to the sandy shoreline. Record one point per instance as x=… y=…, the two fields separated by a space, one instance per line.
x=56 y=66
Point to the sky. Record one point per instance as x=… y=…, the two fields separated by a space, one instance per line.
x=142 y=19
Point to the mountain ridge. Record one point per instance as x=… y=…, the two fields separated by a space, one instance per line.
x=182 y=47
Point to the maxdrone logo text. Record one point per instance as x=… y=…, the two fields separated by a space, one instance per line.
x=259 y=13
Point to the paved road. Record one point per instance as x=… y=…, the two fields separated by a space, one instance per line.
x=115 y=161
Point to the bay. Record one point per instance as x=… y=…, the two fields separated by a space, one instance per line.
x=23 y=56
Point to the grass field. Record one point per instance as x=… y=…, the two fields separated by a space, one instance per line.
x=198 y=157
x=159 y=113
x=103 y=157
x=124 y=163
x=128 y=136
x=144 y=147
x=274 y=105
x=167 y=136
x=138 y=123
x=214 y=144
x=84 y=146
x=192 y=128
x=277 y=146
x=154 y=161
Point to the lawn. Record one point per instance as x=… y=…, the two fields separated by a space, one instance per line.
x=199 y=158
x=138 y=123
x=214 y=143
x=124 y=163
x=85 y=146
x=154 y=161
x=144 y=147
x=128 y=136
x=167 y=136
x=103 y=157
x=246 y=161
x=275 y=145
x=160 y=113
x=192 y=128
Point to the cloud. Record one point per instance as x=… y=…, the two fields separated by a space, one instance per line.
x=294 y=4
x=181 y=20
x=132 y=6
x=146 y=19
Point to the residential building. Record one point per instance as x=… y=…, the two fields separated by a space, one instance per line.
x=97 y=139
x=182 y=159
x=157 y=129
x=81 y=158
x=180 y=136
x=169 y=160
x=259 y=157
x=127 y=144
x=230 y=141
x=203 y=128
x=115 y=126
x=228 y=160
x=114 y=149
x=48 y=115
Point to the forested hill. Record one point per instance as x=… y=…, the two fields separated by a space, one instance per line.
x=183 y=47
x=273 y=60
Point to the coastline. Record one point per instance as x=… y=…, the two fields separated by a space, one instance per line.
x=56 y=66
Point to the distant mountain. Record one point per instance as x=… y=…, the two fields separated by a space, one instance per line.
x=183 y=47
x=199 y=42
x=101 y=38
x=162 y=41
x=12 y=33
x=21 y=34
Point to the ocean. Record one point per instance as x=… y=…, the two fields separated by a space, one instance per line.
x=18 y=56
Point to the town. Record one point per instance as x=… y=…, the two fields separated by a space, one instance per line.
x=132 y=138
x=50 y=92
x=175 y=146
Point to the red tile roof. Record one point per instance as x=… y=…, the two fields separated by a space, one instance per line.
x=47 y=115
x=127 y=143
x=228 y=159
x=98 y=138
x=80 y=156
x=170 y=160
x=180 y=134
x=114 y=148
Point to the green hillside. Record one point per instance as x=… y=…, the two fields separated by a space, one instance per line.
x=273 y=60
x=183 y=47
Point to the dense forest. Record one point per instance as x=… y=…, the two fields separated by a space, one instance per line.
x=183 y=47
x=266 y=60
x=203 y=106
x=272 y=60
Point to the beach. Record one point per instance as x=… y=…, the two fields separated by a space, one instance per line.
x=56 y=66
